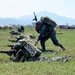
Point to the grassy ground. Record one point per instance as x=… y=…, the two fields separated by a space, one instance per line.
x=67 y=38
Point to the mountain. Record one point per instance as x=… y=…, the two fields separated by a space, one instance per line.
x=60 y=20
x=27 y=19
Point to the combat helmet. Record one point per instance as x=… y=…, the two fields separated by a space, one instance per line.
x=16 y=46
x=38 y=25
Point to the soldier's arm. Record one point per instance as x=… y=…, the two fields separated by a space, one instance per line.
x=41 y=33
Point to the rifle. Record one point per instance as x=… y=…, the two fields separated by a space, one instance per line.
x=10 y=46
x=12 y=41
x=9 y=52
x=35 y=17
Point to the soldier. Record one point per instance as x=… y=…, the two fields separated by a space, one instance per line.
x=26 y=51
x=45 y=27
x=22 y=28
x=14 y=33
x=18 y=38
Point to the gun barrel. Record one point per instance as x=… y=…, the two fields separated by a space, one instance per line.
x=2 y=52
x=10 y=45
x=10 y=52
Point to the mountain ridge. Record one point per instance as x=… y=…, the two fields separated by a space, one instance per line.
x=27 y=19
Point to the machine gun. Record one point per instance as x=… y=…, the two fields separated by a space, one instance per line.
x=35 y=17
x=9 y=52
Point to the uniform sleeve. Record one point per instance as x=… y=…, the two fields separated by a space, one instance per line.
x=42 y=32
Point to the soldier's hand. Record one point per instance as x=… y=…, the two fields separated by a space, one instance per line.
x=36 y=43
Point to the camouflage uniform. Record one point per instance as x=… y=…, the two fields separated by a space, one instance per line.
x=47 y=31
x=27 y=51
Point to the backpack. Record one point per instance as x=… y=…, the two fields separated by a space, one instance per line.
x=29 y=47
x=48 y=21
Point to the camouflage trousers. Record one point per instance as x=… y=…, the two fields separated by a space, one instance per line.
x=39 y=58
x=53 y=59
x=63 y=59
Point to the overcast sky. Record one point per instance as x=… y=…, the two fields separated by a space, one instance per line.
x=17 y=8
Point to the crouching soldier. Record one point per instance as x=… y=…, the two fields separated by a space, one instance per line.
x=45 y=28
x=26 y=51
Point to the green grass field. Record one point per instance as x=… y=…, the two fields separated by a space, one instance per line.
x=67 y=38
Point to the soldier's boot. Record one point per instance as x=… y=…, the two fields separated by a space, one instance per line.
x=43 y=49
x=64 y=59
x=62 y=47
